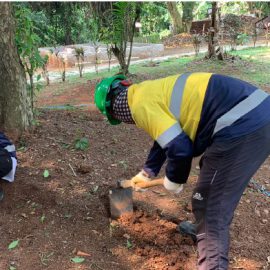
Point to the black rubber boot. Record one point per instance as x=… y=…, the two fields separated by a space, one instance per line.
x=1 y=194
x=186 y=228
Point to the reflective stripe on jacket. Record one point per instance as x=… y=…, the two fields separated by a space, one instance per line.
x=158 y=105
x=184 y=113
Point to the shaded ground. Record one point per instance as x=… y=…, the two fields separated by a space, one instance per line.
x=58 y=216
x=66 y=93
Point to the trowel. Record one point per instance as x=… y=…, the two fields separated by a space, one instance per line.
x=121 y=197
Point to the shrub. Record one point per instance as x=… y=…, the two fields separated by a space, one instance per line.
x=232 y=25
x=242 y=39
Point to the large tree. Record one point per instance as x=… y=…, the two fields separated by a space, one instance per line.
x=176 y=17
x=159 y=19
x=15 y=110
x=63 y=22
x=188 y=8
x=215 y=50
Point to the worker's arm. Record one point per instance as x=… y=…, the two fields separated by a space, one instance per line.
x=152 y=166
x=172 y=141
x=155 y=160
x=179 y=156
x=178 y=153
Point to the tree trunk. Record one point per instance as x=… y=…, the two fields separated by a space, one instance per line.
x=267 y=35
x=80 y=70
x=32 y=89
x=187 y=17
x=96 y=47
x=132 y=32
x=176 y=17
x=212 y=32
x=251 y=7
x=67 y=16
x=121 y=59
x=45 y=74
x=109 y=54
x=15 y=110
x=188 y=26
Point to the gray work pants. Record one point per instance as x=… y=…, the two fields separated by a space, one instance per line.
x=227 y=167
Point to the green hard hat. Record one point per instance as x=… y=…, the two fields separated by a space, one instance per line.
x=101 y=101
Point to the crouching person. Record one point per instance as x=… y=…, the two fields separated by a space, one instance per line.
x=8 y=161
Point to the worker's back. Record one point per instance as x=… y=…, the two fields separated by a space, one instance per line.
x=206 y=105
x=231 y=108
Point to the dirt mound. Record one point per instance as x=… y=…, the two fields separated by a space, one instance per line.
x=156 y=238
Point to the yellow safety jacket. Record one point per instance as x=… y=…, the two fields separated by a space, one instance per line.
x=158 y=106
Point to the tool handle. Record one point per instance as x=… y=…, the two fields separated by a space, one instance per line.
x=152 y=183
x=144 y=184
x=158 y=182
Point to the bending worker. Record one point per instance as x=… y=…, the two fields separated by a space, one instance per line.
x=225 y=119
x=8 y=161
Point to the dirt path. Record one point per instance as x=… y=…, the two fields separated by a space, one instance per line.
x=55 y=217
x=81 y=92
x=186 y=50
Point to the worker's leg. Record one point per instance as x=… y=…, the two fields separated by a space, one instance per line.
x=226 y=171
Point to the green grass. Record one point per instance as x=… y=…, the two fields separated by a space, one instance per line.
x=259 y=64
x=154 y=38
x=165 y=68
x=253 y=66
x=152 y=70
x=253 y=53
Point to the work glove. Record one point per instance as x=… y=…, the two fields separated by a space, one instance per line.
x=142 y=176
x=172 y=187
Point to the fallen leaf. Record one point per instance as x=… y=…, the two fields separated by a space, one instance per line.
x=78 y=260
x=95 y=189
x=129 y=244
x=13 y=244
x=81 y=253
x=46 y=173
x=159 y=193
x=42 y=219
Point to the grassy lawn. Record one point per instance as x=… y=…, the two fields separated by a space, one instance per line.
x=252 y=64
x=257 y=53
